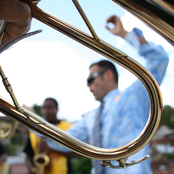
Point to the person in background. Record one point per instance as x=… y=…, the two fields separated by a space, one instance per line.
x=122 y=115
x=4 y=167
x=59 y=162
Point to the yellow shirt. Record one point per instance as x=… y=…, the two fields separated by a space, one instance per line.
x=58 y=162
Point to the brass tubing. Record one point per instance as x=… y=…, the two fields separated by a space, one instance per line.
x=41 y=160
x=38 y=124
x=160 y=21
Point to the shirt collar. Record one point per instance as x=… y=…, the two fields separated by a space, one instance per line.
x=111 y=94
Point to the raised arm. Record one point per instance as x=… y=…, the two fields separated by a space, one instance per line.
x=155 y=55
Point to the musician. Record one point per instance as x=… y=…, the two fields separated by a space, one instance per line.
x=123 y=115
x=4 y=167
x=59 y=162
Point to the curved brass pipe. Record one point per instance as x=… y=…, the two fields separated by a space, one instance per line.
x=38 y=124
x=41 y=160
x=157 y=14
x=10 y=132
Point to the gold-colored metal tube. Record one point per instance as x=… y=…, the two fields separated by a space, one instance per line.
x=157 y=14
x=38 y=124
x=41 y=160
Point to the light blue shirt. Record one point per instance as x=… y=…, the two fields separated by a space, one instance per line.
x=125 y=113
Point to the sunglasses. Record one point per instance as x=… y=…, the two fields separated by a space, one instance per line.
x=93 y=76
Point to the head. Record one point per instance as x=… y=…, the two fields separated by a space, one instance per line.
x=102 y=79
x=49 y=110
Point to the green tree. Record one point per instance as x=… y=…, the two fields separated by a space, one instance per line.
x=168 y=116
x=168 y=155
x=15 y=145
x=82 y=165
x=37 y=109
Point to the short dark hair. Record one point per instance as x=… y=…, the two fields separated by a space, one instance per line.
x=55 y=102
x=107 y=65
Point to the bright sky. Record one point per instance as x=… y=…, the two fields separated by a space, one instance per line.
x=52 y=65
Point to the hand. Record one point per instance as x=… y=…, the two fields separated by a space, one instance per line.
x=42 y=145
x=18 y=19
x=118 y=27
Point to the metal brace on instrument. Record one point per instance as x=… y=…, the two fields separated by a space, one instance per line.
x=4 y=78
x=122 y=163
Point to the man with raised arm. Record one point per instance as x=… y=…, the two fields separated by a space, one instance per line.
x=122 y=115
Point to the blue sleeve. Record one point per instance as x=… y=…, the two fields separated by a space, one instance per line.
x=77 y=130
x=156 y=61
x=156 y=57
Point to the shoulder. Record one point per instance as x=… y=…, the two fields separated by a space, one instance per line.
x=31 y=133
x=64 y=125
x=88 y=113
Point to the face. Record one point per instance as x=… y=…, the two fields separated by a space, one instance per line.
x=98 y=85
x=49 y=111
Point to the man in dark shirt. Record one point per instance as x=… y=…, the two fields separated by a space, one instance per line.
x=59 y=162
x=3 y=156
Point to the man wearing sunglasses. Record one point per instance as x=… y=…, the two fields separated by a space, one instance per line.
x=122 y=115
x=103 y=78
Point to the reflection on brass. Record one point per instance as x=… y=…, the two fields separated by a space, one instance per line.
x=2 y=25
x=161 y=24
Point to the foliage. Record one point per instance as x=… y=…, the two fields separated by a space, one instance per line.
x=168 y=116
x=16 y=138
x=15 y=144
x=82 y=165
x=10 y=149
x=168 y=155
x=37 y=109
x=9 y=120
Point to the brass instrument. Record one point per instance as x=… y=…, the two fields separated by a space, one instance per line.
x=4 y=168
x=161 y=23
x=157 y=14
x=8 y=134
x=41 y=160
